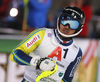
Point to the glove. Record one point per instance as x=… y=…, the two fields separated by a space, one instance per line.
x=34 y=61
x=44 y=64
x=46 y=73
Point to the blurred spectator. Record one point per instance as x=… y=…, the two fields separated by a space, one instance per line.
x=86 y=7
x=37 y=15
x=50 y=21
x=1 y=2
x=3 y=11
x=3 y=7
x=11 y=14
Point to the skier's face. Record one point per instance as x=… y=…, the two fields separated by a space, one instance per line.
x=66 y=30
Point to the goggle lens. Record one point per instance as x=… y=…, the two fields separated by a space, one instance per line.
x=74 y=24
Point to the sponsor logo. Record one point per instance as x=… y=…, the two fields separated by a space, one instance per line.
x=32 y=41
x=49 y=34
x=60 y=64
x=75 y=12
x=75 y=67
x=60 y=74
x=46 y=62
x=75 y=46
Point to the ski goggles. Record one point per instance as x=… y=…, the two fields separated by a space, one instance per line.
x=66 y=20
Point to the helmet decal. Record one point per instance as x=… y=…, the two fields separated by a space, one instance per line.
x=74 y=11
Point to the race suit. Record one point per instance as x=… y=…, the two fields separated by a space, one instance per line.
x=46 y=43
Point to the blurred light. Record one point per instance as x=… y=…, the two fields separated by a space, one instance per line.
x=13 y=12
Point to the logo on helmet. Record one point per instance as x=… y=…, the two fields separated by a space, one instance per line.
x=81 y=16
x=75 y=12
